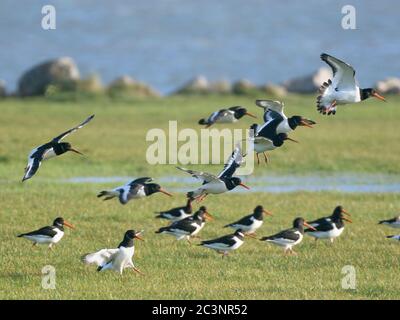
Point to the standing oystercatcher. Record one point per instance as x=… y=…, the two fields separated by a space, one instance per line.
x=116 y=259
x=250 y=223
x=218 y=184
x=290 y=237
x=188 y=227
x=50 y=150
x=48 y=235
x=329 y=227
x=273 y=110
x=394 y=223
x=226 y=243
x=135 y=189
x=176 y=214
x=230 y=115
x=342 y=89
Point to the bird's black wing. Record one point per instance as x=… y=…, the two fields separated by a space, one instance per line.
x=185 y=224
x=68 y=132
x=234 y=162
x=45 y=231
x=245 y=221
x=388 y=221
x=268 y=129
x=322 y=225
x=343 y=73
x=228 y=240
x=289 y=234
x=142 y=181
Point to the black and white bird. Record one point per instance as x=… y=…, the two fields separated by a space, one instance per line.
x=188 y=227
x=250 y=223
x=224 y=182
x=342 y=88
x=396 y=237
x=48 y=235
x=135 y=189
x=329 y=227
x=394 y=223
x=50 y=150
x=116 y=259
x=229 y=115
x=290 y=237
x=225 y=244
x=176 y=214
x=273 y=111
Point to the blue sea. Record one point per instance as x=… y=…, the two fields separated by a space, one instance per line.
x=167 y=42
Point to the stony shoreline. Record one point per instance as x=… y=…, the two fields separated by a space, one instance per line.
x=62 y=75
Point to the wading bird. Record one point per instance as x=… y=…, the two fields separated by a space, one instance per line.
x=50 y=150
x=329 y=227
x=135 y=189
x=116 y=259
x=290 y=237
x=342 y=89
x=230 y=115
x=218 y=184
x=225 y=244
x=176 y=214
x=48 y=235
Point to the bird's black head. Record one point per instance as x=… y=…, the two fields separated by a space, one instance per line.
x=280 y=138
x=239 y=233
x=154 y=188
x=129 y=236
x=239 y=112
x=300 y=223
x=259 y=212
x=339 y=214
x=370 y=92
x=60 y=223
x=299 y=121
x=202 y=214
x=232 y=182
x=63 y=147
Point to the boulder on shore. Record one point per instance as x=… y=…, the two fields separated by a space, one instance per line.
x=198 y=85
x=60 y=72
x=244 y=86
x=389 y=86
x=274 y=90
x=310 y=83
x=126 y=84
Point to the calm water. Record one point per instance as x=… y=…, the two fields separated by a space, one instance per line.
x=166 y=42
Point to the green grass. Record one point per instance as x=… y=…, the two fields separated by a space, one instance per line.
x=359 y=139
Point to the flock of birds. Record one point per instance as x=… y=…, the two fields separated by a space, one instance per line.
x=340 y=90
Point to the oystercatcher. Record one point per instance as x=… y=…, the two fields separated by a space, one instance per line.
x=116 y=259
x=273 y=110
x=188 y=227
x=290 y=237
x=48 y=235
x=218 y=184
x=329 y=227
x=250 y=223
x=397 y=237
x=394 y=223
x=342 y=89
x=225 y=244
x=230 y=115
x=50 y=150
x=135 y=189
x=176 y=214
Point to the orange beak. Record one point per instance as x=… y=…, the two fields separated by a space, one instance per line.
x=268 y=213
x=76 y=151
x=347 y=219
x=208 y=216
x=290 y=139
x=307 y=123
x=139 y=237
x=165 y=192
x=244 y=186
x=309 y=226
x=345 y=212
x=67 y=224
x=378 y=96
x=250 y=115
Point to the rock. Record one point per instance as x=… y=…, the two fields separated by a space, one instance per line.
x=274 y=90
x=58 y=72
x=90 y=84
x=198 y=85
x=221 y=87
x=389 y=86
x=243 y=86
x=3 y=92
x=308 y=84
x=128 y=85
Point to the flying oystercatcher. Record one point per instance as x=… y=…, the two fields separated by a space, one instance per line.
x=342 y=89
x=394 y=223
x=230 y=115
x=135 y=189
x=188 y=227
x=273 y=110
x=50 y=150
x=177 y=214
x=329 y=227
x=397 y=237
x=290 y=237
x=250 y=223
x=225 y=244
x=218 y=184
x=48 y=235
x=116 y=259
